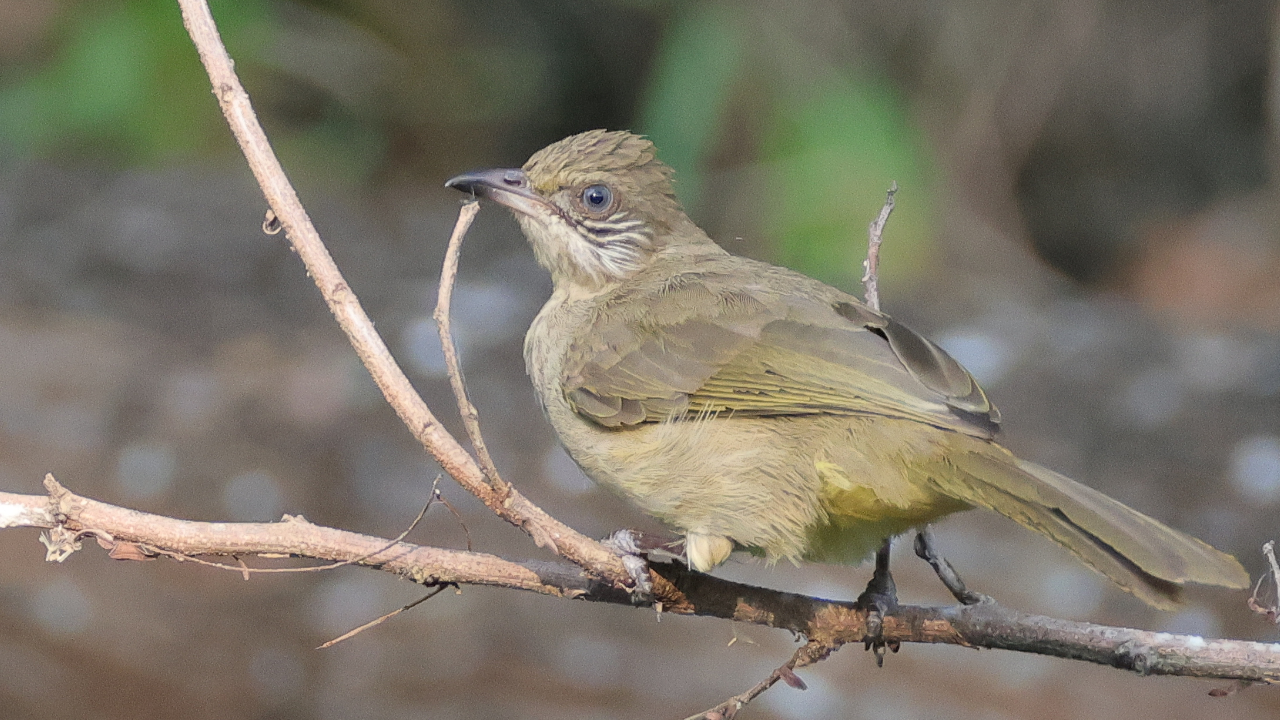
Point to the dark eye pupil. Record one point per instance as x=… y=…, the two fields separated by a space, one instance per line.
x=597 y=197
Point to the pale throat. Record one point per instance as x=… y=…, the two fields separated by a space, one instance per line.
x=574 y=260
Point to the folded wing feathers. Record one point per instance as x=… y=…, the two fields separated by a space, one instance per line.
x=699 y=348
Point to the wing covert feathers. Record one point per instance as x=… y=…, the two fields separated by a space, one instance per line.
x=702 y=342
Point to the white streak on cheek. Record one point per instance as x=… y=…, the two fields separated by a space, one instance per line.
x=561 y=250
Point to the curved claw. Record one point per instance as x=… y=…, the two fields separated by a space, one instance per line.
x=879 y=599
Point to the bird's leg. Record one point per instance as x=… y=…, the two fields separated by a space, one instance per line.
x=631 y=546
x=926 y=550
x=879 y=599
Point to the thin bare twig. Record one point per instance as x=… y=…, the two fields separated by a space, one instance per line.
x=444 y=300
x=1259 y=601
x=513 y=507
x=374 y=623
x=727 y=710
x=871 y=266
x=456 y=516
x=435 y=493
x=247 y=571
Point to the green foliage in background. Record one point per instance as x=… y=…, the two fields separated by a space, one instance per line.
x=829 y=146
x=122 y=83
x=118 y=81
x=697 y=63
x=834 y=156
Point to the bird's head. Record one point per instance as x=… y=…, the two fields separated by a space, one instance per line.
x=595 y=207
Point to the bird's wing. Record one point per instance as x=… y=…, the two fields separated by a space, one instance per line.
x=698 y=344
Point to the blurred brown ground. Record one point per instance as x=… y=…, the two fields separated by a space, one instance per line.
x=157 y=351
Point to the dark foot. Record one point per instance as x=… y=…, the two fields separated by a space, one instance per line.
x=927 y=551
x=630 y=546
x=879 y=599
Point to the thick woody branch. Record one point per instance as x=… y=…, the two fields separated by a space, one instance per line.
x=826 y=624
x=507 y=503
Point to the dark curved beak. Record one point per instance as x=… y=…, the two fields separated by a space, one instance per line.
x=505 y=186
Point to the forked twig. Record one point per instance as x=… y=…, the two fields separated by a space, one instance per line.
x=508 y=504
x=810 y=653
x=871 y=266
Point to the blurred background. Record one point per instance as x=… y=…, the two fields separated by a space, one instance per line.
x=1087 y=218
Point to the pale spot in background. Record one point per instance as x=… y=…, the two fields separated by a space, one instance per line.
x=482 y=315
x=988 y=357
x=825 y=700
x=1150 y=400
x=70 y=425
x=190 y=398
x=348 y=602
x=1193 y=620
x=485 y=313
x=253 y=496
x=595 y=662
x=145 y=469
x=389 y=476
x=1214 y=363
x=1079 y=328
x=1070 y=591
x=141 y=236
x=1255 y=468
x=562 y=473
x=277 y=674
x=60 y=606
x=318 y=391
x=350 y=667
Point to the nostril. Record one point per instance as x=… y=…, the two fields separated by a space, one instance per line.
x=514 y=178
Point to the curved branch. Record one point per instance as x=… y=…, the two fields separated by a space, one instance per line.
x=826 y=624
x=444 y=301
x=413 y=411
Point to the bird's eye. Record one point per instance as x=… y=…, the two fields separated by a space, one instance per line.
x=597 y=198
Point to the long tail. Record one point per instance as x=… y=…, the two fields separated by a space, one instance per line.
x=1141 y=555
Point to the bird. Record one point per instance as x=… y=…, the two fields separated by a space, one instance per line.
x=751 y=407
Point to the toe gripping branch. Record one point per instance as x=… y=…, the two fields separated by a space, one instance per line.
x=926 y=550
x=880 y=599
x=630 y=546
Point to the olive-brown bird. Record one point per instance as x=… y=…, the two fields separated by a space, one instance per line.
x=747 y=405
